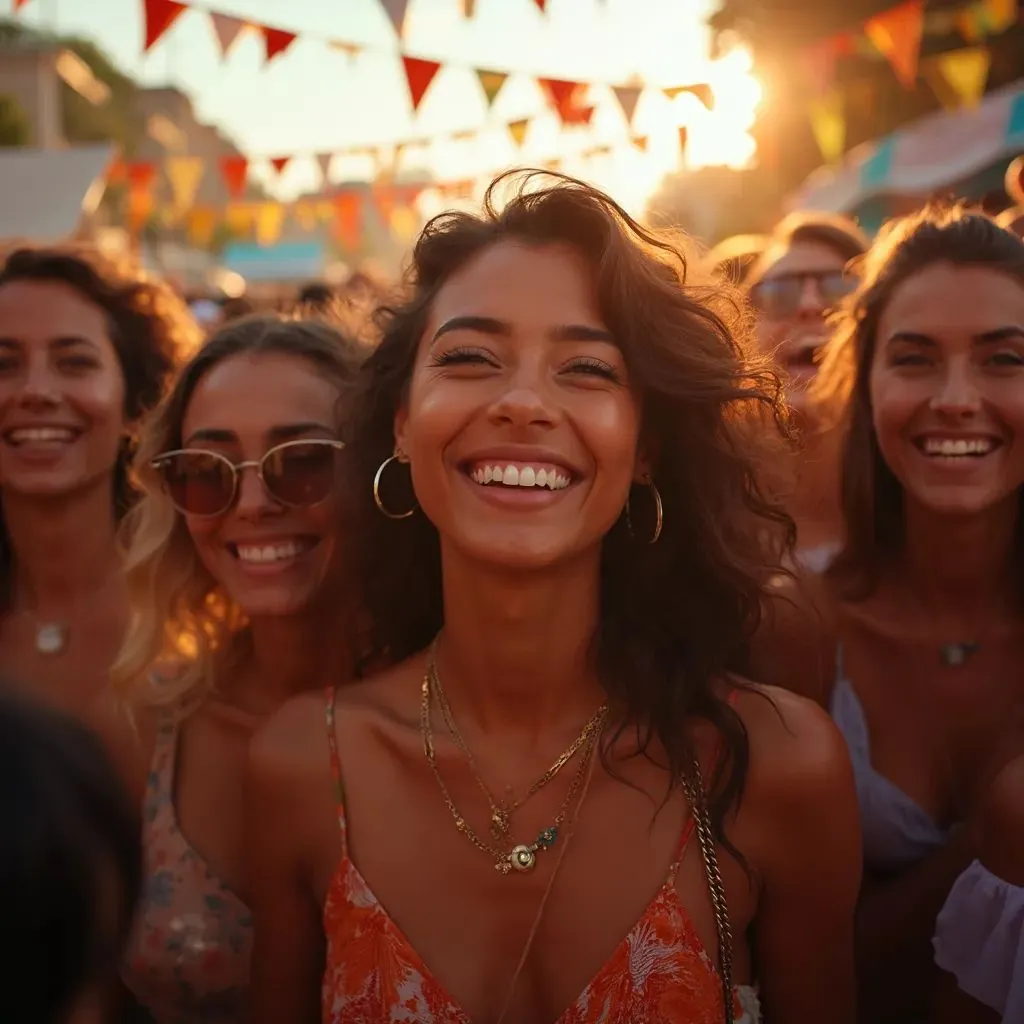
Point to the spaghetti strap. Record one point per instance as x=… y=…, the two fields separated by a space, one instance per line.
x=332 y=745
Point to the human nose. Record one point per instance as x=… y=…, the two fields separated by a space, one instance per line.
x=39 y=386
x=253 y=500
x=811 y=303
x=958 y=393
x=525 y=400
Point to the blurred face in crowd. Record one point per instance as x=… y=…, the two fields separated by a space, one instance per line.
x=62 y=391
x=793 y=297
x=947 y=387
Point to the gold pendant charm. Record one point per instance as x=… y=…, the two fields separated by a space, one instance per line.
x=522 y=858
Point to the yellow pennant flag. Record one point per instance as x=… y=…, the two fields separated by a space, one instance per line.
x=1000 y=15
x=202 y=222
x=491 y=83
x=269 y=222
x=964 y=73
x=238 y=218
x=184 y=173
x=404 y=224
x=828 y=120
x=517 y=129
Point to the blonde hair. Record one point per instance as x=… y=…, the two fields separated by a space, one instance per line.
x=183 y=628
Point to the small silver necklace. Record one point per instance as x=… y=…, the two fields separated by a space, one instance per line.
x=51 y=637
x=955 y=655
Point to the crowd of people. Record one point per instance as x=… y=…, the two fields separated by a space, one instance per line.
x=622 y=633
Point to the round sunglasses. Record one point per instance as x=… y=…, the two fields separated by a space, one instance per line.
x=781 y=296
x=200 y=482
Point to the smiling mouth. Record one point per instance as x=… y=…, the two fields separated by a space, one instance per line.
x=19 y=437
x=276 y=554
x=539 y=476
x=956 y=448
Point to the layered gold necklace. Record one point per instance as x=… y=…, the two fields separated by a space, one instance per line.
x=520 y=856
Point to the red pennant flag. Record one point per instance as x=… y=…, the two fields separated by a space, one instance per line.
x=897 y=35
x=348 y=218
x=140 y=175
x=234 y=170
x=276 y=41
x=562 y=95
x=578 y=115
x=158 y=16
x=18 y=4
x=279 y=163
x=419 y=74
x=542 y=4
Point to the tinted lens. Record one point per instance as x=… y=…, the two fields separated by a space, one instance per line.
x=200 y=483
x=779 y=296
x=300 y=473
x=835 y=287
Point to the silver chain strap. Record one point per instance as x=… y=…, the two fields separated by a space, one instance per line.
x=694 y=790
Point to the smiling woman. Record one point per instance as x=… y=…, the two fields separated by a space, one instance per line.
x=560 y=803
x=86 y=348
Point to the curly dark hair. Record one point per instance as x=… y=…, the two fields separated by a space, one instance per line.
x=677 y=616
x=150 y=328
x=872 y=497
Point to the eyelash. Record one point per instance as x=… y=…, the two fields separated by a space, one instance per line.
x=469 y=355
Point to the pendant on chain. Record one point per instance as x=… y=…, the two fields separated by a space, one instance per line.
x=524 y=858
x=954 y=655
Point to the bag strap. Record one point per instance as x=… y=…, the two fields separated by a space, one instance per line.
x=694 y=789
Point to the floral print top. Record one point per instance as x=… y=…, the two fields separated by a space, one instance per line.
x=188 y=958
x=659 y=974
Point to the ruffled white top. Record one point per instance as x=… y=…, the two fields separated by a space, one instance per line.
x=979 y=939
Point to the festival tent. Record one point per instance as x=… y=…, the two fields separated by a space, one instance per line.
x=928 y=156
x=46 y=195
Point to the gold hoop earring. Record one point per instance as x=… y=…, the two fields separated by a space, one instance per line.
x=659 y=513
x=376 y=489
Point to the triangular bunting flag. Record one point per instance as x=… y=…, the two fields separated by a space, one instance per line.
x=640 y=141
x=140 y=196
x=234 y=170
x=159 y=16
x=140 y=174
x=279 y=163
x=965 y=72
x=562 y=94
x=269 y=222
x=517 y=129
x=627 y=95
x=238 y=217
x=200 y=226
x=491 y=83
x=828 y=121
x=684 y=138
x=542 y=4
x=395 y=10
x=897 y=35
x=701 y=90
x=323 y=161
x=578 y=115
x=227 y=30
x=18 y=4
x=1000 y=15
x=820 y=61
x=419 y=74
x=348 y=219
x=184 y=173
x=468 y=8
x=276 y=41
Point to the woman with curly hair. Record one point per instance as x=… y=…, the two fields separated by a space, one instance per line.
x=561 y=801
x=237 y=603
x=86 y=348
x=915 y=641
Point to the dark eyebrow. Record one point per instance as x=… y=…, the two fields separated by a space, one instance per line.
x=992 y=337
x=67 y=341
x=284 y=432
x=911 y=338
x=489 y=325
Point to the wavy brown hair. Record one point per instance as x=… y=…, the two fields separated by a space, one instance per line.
x=675 y=617
x=150 y=328
x=872 y=497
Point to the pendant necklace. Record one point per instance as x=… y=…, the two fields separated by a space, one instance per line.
x=955 y=655
x=51 y=637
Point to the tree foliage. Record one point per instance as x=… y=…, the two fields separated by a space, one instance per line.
x=15 y=128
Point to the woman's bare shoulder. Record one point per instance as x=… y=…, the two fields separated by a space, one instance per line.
x=1001 y=820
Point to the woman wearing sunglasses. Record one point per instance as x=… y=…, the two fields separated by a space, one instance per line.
x=238 y=603
x=798 y=279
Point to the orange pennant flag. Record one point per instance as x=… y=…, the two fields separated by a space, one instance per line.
x=348 y=219
x=202 y=222
x=159 y=16
x=542 y=4
x=578 y=115
x=279 y=163
x=896 y=34
x=684 y=138
x=640 y=141
x=517 y=129
x=140 y=197
x=468 y=8
x=276 y=41
x=563 y=94
x=419 y=74
x=234 y=170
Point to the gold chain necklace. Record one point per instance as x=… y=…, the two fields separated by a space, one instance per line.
x=501 y=814
x=522 y=857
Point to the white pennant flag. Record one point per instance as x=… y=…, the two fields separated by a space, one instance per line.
x=227 y=29
x=396 y=12
x=324 y=162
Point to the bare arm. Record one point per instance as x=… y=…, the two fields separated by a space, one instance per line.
x=288 y=950
x=805 y=836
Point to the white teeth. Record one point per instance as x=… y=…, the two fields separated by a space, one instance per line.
x=955 y=447
x=522 y=476
x=28 y=435
x=268 y=552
